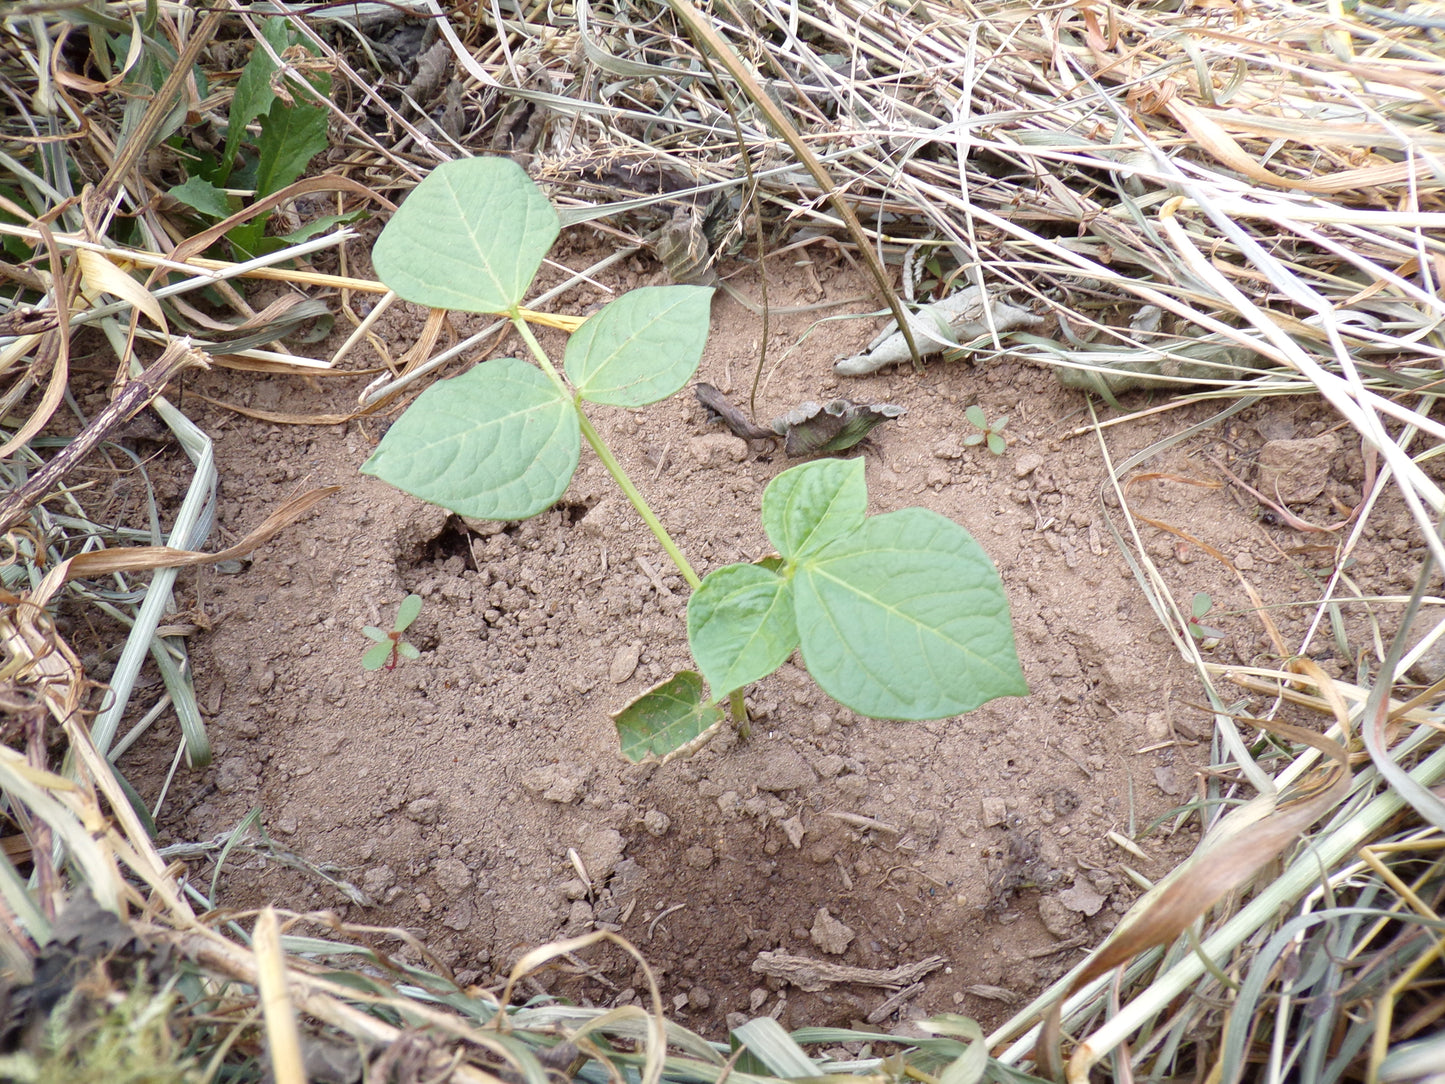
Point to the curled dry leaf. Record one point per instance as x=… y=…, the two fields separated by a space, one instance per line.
x=943 y=325
x=811 y=428
x=834 y=426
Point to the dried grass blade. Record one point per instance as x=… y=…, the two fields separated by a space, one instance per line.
x=656 y=1047
x=703 y=32
x=99 y=275
x=282 y=1034
x=1233 y=852
x=178 y=356
x=53 y=352
x=144 y=558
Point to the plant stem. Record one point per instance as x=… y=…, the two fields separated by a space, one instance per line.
x=736 y=705
x=609 y=460
x=649 y=517
x=738 y=709
x=525 y=330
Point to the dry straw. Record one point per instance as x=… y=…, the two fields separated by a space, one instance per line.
x=1227 y=200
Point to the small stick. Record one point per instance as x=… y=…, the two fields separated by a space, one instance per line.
x=892 y=1004
x=717 y=405
x=857 y=820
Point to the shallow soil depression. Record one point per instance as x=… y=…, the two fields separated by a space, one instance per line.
x=476 y=796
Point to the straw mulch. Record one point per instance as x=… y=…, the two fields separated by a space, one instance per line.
x=1230 y=200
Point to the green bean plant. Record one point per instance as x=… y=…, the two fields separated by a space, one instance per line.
x=900 y=615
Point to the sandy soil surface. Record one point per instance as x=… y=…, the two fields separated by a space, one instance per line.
x=477 y=797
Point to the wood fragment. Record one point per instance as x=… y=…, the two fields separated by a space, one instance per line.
x=894 y=1003
x=128 y=402
x=718 y=408
x=1062 y=946
x=993 y=993
x=814 y=975
x=857 y=820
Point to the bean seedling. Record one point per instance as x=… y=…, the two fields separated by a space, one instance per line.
x=390 y=648
x=990 y=431
x=899 y=616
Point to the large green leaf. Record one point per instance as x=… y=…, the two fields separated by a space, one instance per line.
x=906 y=618
x=501 y=441
x=642 y=347
x=740 y=626
x=253 y=95
x=666 y=718
x=470 y=237
x=809 y=506
x=291 y=135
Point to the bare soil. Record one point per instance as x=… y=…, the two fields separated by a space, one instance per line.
x=477 y=796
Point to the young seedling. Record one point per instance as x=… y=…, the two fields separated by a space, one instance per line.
x=1205 y=634
x=992 y=432
x=389 y=646
x=898 y=616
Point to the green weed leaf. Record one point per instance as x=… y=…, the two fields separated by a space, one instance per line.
x=906 y=618
x=470 y=237
x=320 y=224
x=501 y=441
x=371 y=632
x=666 y=718
x=203 y=196
x=291 y=135
x=407 y=612
x=809 y=506
x=253 y=96
x=976 y=415
x=408 y=650
x=642 y=347
x=375 y=657
x=740 y=625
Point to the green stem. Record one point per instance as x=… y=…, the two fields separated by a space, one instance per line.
x=619 y=476
x=609 y=460
x=525 y=330
x=736 y=705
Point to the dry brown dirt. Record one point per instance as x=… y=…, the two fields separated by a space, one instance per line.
x=477 y=796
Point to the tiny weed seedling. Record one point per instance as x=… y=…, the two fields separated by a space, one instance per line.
x=1205 y=634
x=992 y=432
x=898 y=616
x=390 y=648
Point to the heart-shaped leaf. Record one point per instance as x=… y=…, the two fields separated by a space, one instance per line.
x=740 y=626
x=470 y=237
x=809 y=506
x=642 y=347
x=668 y=718
x=906 y=618
x=501 y=441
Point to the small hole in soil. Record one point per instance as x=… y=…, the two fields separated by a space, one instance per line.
x=454 y=540
x=571 y=512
